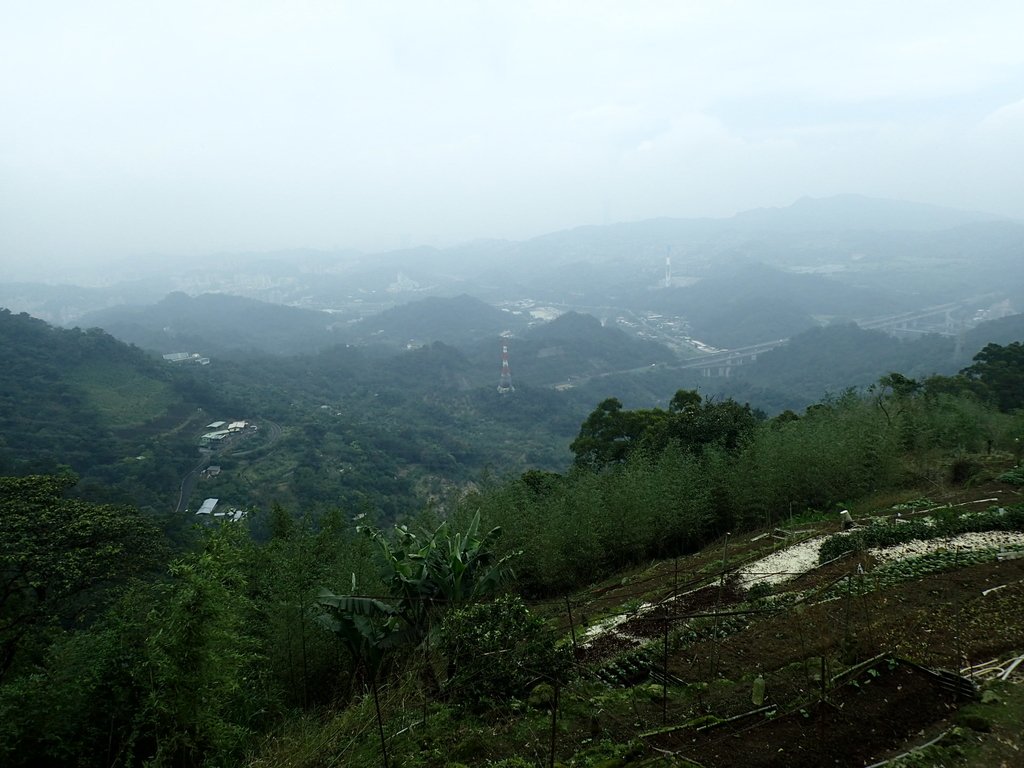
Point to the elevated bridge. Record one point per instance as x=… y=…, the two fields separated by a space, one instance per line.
x=938 y=319
x=722 y=363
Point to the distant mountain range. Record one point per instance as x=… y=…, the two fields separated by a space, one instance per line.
x=852 y=213
x=761 y=274
x=922 y=250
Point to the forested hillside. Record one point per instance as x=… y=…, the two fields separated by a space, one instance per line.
x=380 y=429
x=370 y=428
x=85 y=400
x=828 y=360
x=331 y=637
x=577 y=346
x=376 y=427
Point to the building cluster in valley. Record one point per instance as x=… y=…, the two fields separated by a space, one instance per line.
x=220 y=434
x=186 y=358
x=221 y=430
x=211 y=510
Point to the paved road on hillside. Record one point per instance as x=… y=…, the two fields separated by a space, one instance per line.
x=188 y=483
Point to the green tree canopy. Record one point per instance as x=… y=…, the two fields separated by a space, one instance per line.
x=56 y=553
x=1001 y=370
x=610 y=434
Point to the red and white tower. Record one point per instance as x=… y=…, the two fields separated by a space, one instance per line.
x=505 y=383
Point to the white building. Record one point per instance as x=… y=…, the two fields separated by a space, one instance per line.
x=208 y=506
x=213 y=437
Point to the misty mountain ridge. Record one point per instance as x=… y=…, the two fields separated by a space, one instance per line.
x=576 y=345
x=853 y=233
x=853 y=212
x=760 y=274
x=217 y=323
x=456 y=319
x=752 y=302
x=652 y=238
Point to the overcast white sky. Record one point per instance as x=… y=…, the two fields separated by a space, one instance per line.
x=182 y=128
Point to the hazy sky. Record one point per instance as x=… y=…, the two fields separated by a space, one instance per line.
x=140 y=127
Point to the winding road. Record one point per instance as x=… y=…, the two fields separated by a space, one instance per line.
x=188 y=482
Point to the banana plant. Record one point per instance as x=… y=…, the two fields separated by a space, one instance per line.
x=367 y=627
x=426 y=574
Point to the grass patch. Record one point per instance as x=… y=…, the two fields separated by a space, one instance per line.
x=1014 y=476
x=986 y=734
x=123 y=396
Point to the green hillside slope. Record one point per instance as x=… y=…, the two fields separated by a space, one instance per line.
x=85 y=400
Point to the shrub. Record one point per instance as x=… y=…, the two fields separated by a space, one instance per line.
x=1014 y=476
x=498 y=651
x=963 y=470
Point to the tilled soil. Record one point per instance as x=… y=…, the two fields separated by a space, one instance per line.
x=855 y=724
x=946 y=620
x=675 y=611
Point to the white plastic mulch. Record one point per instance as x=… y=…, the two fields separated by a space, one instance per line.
x=965 y=541
x=781 y=566
x=612 y=622
x=788 y=563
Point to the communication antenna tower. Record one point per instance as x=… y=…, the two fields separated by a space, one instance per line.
x=505 y=383
x=668 y=267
